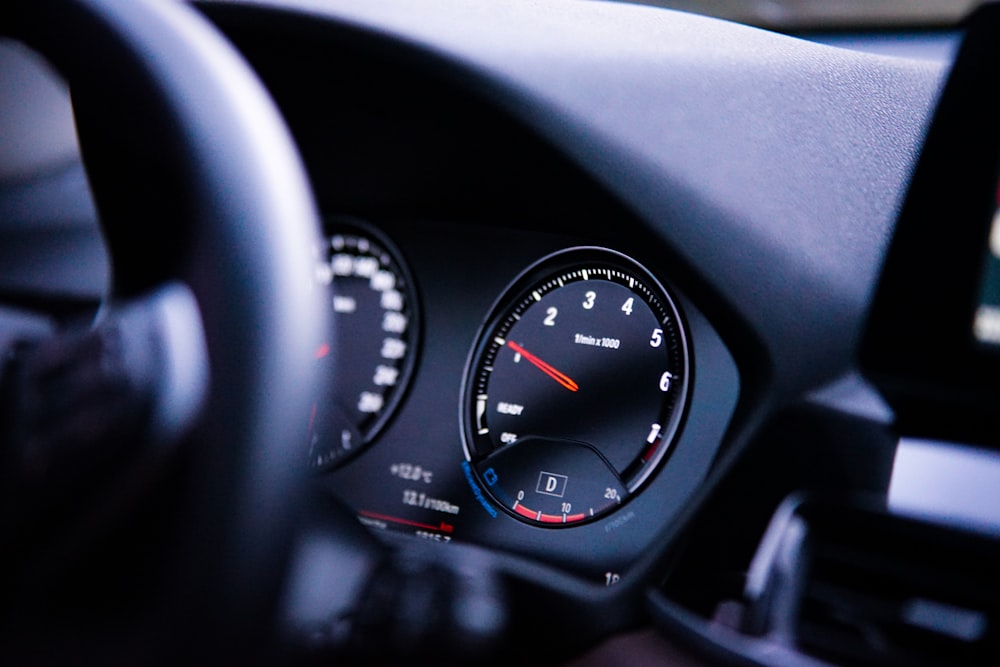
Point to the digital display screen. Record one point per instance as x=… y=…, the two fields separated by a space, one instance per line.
x=986 y=326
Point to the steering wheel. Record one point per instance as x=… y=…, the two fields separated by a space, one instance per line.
x=201 y=194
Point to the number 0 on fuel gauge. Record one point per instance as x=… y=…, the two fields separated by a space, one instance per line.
x=575 y=389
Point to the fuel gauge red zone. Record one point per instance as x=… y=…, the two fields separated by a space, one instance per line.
x=576 y=388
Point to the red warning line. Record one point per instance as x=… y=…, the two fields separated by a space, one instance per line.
x=524 y=511
x=547 y=518
x=416 y=524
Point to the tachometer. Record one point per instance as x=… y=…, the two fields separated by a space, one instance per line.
x=575 y=389
x=376 y=339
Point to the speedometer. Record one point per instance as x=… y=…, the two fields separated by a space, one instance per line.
x=377 y=328
x=576 y=387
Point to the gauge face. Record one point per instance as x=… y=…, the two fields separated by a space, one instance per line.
x=374 y=342
x=575 y=389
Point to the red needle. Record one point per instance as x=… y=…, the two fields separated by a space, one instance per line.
x=561 y=378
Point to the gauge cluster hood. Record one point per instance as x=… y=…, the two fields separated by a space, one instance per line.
x=773 y=165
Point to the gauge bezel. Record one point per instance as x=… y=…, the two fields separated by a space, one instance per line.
x=547 y=269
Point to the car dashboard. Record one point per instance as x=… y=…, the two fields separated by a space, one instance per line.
x=598 y=276
x=471 y=188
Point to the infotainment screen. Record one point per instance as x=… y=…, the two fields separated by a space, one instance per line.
x=986 y=324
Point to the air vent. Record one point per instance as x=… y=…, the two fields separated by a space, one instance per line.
x=850 y=583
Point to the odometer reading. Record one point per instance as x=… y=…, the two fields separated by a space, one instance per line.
x=575 y=389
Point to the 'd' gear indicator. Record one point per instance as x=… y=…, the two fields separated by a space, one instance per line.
x=552 y=484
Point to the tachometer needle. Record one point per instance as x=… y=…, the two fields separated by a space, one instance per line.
x=558 y=376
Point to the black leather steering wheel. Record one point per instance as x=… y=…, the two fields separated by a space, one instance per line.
x=197 y=183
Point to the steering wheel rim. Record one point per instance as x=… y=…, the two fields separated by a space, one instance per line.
x=183 y=146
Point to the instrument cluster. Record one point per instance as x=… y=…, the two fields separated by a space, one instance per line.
x=549 y=397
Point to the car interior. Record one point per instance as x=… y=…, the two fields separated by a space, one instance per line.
x=563 y=332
